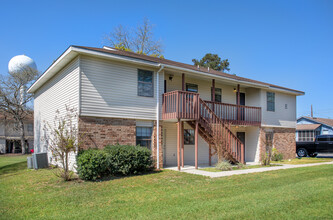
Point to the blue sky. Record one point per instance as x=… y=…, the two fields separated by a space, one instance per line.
x=288 y=43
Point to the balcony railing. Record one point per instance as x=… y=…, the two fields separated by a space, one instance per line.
x=183 y=105
x=236 y=114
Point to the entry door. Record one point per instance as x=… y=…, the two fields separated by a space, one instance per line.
x=241 y=102
x=241 y=137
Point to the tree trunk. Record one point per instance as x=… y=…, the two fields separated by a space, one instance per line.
x=22 y=137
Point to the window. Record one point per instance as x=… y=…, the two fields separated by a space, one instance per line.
x=145 y=83
x=189 y=136
x=285 y=106
x=191 y=87
x=323 y=139
x=30 y=128
x=306 y=135
x=271 y=101
x=143 y=136
x=218 y=95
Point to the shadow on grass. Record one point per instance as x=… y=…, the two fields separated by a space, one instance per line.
x=123 y=177
x=12 y=168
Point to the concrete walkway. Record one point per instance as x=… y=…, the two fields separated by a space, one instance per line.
x=192 y=170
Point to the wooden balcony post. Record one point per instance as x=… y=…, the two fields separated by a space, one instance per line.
x=183 y=81
x=210 y=155
x=238 y=102
x=178 y=143
x=182 y=142
x=196 y=143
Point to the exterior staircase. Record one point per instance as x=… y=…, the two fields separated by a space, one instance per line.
x=190 y=107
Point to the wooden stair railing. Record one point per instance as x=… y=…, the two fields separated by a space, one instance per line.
x=189 y=106
x=221 y=136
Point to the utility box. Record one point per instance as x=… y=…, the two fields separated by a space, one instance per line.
x=40 y=160
x=30 y=163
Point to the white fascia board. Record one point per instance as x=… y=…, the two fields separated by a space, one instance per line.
x=52 y=70
x=116 y=57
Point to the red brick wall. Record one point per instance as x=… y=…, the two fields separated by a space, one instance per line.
x=154 y=145
x=284 y=141
x=99 y=132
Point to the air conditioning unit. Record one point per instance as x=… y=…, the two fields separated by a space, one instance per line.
x=30 y=162
x=40 y=160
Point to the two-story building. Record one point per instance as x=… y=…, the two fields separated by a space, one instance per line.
x=177 y=110
x=10 y=135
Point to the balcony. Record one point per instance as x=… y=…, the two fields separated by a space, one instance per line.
x=185 y=105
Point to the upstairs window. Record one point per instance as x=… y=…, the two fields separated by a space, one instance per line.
x=30 y=128
x=191 y=87
x=271 y=101
x=218 y=95
x=145 y=83
x=188 y=136
x=143 y=136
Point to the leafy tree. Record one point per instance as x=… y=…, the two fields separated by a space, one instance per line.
x=13 y=100
x=213 y=61
x=140 y=40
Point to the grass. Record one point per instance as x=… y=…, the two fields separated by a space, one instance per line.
x=303 y=160
x=302 y=193
x=213 y=169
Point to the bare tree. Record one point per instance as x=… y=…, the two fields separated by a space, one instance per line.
x=14 y=100
x=140 y=40
x=63 y=139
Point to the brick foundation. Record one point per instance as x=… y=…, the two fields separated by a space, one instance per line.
x=99 y=132
x=284 y=141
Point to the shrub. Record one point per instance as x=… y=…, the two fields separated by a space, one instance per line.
x=91 y=164
x=241 y=166
x=223 y=165
x=265 y=159
x=113 y=160
x=126 y=159
x=276 y=156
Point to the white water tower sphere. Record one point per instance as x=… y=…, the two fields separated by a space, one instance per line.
x=21 y=62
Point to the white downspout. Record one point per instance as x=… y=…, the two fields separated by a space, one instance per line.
x=158 y=115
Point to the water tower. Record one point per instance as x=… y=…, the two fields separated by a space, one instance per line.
x=18 y=65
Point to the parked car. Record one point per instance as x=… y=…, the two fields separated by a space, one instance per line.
x=322 y=144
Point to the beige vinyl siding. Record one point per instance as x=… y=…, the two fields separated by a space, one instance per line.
x=110 y=89
x=61 y=90
x=170 y=149
x=204 y=87
x=281 y=116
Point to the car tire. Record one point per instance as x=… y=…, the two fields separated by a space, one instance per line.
x=313 y=154
x=302 y=152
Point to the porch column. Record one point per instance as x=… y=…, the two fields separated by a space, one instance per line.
x=196 y=143
x=183 y=82
x=238 y=102
x=213 y=94
x=210 y=155
x=178 y=143
x=182 y=142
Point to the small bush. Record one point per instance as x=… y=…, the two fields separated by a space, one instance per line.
x=241 y=166
x=91 y=164
x=265 y=159
x=276 y=156
x=125 y=160
x=224 y=165
x=94 y=164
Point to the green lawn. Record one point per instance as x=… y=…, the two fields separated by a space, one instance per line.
x=303 y=160
x=302 y=193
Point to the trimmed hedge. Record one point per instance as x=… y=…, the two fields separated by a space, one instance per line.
x=113 y=160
